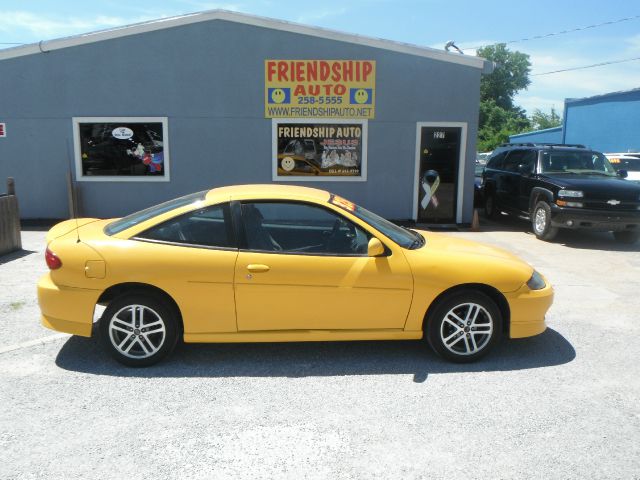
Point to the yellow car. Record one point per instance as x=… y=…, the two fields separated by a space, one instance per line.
x=273 y=263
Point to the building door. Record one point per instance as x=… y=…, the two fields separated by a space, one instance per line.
x=439 y=163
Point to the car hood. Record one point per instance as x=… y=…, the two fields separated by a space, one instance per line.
x=596 y=186
x=458 y=261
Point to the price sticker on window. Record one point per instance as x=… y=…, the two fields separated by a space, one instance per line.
x=342 y=203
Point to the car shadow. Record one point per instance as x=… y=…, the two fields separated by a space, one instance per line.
x=317 y=359
x=585 y=240
x=9 y=257
x=579 y=239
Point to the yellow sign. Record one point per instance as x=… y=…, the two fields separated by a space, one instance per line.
x=319 y=88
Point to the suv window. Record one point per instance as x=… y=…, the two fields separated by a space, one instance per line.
x=520 y=157
x=209 y=227
x=579 y=162
x=301 y=228
x=496 y=161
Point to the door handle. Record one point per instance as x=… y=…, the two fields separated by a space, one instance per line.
x=258 y=268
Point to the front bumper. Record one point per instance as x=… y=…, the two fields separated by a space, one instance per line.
x=528 y=309
x=66 y=309
x=602 y=220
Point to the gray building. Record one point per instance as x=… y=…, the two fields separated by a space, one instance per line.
x=151 y=111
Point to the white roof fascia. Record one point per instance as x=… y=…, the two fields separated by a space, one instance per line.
x=154 y=25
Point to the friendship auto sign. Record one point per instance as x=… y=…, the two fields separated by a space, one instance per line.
x=319 y=88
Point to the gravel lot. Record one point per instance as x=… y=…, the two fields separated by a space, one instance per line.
x=565 y=404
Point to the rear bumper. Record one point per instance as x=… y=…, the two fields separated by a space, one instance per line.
x=528 y=309
x=66 y=309
x=594 y=219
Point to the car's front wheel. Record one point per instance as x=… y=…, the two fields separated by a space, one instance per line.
x=139 y=330
x=464 y=326
x=541 y=222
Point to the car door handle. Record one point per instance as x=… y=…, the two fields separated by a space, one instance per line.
x=257 y=268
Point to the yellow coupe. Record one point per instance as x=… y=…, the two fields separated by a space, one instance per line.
x=273 y=263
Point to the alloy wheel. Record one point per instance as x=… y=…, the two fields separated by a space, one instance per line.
x=540 y=220
x=137 y=331
x=466 y=329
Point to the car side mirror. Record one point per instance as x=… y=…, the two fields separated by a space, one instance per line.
x=525 y=169
x=623 y=173
x=375 y=248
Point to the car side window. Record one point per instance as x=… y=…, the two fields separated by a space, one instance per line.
x=513 y=160
x=496 y=160
x=301 y=228
x=209 y=227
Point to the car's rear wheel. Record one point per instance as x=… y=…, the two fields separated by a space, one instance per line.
x=626 y=237
x=541 y=222
x=464 y=326
x=490 y=208
x=139 y=330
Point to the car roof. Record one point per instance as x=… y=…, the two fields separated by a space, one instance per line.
x=544 y=146
x=266 y=191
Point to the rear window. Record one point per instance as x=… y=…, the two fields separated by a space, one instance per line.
x=143 y=215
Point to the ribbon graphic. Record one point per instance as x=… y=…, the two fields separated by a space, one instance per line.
x=430 y=183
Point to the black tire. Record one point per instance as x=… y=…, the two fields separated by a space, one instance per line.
x=541 y=222
x=490 y=208
x=457 y=342
x=626 y=237
x=149 y=338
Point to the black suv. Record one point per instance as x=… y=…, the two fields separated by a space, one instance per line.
x=561 y=186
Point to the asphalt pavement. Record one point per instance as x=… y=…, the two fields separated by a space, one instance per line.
x=562 y=405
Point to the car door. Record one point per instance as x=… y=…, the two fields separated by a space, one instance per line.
x=510 y=185
x=305 y=267
x=192 y=257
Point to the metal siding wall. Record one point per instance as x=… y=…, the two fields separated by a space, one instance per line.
x=610 y=124
x=208 y=79
x=554 y=136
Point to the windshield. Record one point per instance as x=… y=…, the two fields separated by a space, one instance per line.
x=579 y=162
x=402 y=236
x=628 y=163
x=146 y=214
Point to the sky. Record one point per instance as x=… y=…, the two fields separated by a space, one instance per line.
x=428 y=23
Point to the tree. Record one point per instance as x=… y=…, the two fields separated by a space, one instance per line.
x=498 y=123
x=540 y=120
x=499 y=117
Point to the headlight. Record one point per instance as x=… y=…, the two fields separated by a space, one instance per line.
x=571 y=193
x=536 y=282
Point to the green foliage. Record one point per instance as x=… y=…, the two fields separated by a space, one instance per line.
x=499 y=117
x=540 y=120
x=498 y=123
x=509 y=77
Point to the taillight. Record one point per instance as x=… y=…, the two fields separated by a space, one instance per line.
x=53 y=262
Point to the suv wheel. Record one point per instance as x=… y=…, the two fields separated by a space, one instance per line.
x=626 y=237
x=541 y=222
x=490 y=210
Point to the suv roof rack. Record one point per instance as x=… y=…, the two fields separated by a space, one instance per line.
x=541 y=144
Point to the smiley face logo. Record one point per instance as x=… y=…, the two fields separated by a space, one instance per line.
x=361 y=96
x=277 y=95
x=288 y=164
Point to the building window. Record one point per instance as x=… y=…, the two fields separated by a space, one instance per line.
x=319 y=150
x=121 y=149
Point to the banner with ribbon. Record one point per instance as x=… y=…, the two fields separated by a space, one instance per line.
x=430 y=184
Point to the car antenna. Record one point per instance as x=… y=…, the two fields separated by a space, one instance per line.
x=73 y=204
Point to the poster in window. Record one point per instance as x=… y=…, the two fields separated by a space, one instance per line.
x=121 y=149
x=320 y=149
